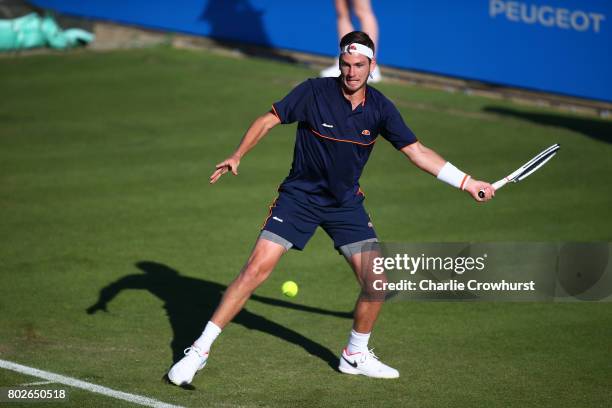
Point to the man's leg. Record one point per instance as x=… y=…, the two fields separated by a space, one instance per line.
x=366 y=310
x=343 y=18
x=261 y=262
x=356 y=357
x=367 y=19
x=345 y=26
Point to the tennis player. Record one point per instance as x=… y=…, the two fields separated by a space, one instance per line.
x=339 y=120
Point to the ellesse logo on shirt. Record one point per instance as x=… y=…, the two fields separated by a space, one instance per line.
x=365 y=132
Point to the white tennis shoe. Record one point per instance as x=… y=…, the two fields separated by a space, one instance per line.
x=186 y=368
x=365 y=363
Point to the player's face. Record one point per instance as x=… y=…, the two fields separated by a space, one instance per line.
x=354 y=69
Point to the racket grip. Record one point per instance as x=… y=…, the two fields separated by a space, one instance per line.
x=497 y=185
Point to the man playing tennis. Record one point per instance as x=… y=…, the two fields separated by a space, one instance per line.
x=339 y=120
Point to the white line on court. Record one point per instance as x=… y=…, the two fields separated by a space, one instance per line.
x=73 y=382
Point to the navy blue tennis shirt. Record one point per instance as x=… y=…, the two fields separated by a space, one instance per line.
x=333 y=141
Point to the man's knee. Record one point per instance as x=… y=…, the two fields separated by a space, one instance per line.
x=256 y=272
x=262 y=261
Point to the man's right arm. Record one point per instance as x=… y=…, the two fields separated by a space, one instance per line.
x=258 y=129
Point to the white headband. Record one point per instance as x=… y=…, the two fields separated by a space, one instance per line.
x=359 y=49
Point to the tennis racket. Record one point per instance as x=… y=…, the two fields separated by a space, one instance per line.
x=526 y=169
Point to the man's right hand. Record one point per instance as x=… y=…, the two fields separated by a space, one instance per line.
x=229 y=164
x=473 y=187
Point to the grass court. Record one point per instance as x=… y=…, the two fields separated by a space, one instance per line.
x=104 y=165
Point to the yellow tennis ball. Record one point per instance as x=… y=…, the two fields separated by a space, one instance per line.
x=290 y=289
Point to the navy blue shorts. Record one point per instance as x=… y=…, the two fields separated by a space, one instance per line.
x=296 y=221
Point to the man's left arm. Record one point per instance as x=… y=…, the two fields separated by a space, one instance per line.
x=428 y=160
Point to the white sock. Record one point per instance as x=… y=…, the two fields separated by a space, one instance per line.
x=210 y=333
x=358 y=342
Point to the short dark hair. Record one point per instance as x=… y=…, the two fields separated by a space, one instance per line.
x=358 y=37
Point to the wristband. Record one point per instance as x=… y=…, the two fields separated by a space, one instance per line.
x=453 y=176
x=464 y=184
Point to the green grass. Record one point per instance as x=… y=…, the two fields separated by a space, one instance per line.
x=104 y=163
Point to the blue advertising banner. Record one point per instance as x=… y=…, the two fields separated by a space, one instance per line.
x=559 y=46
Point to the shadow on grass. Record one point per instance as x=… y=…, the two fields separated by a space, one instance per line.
x=597 y=129
x=189 y=302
